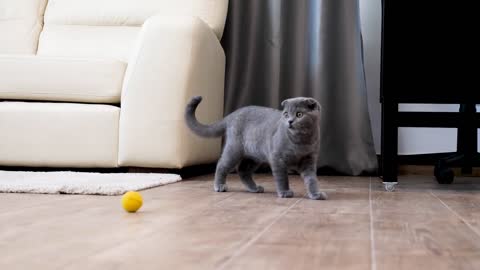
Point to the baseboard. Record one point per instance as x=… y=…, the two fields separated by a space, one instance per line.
x=185 y=173
x=409 y=164
x=50 y=169
x=420 y=159
x=423 y=164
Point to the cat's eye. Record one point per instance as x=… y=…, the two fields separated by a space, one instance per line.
x=299 y=114
x=285 y=114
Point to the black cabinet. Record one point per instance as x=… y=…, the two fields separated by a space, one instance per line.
x=429 y=55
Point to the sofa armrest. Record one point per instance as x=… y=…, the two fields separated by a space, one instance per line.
x=175 y=59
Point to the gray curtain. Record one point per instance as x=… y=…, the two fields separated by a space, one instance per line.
x=278 y=49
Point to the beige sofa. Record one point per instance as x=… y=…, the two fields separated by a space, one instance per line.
x=103 y=83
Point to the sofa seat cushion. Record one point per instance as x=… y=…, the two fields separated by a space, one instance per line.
x=61 y=79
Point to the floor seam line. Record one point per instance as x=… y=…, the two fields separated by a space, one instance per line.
x=373 y=255
x=257 y=236
x=456 y=214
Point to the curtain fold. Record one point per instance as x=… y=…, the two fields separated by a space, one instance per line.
x=277 y=49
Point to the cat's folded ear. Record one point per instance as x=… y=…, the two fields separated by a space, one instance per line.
x=284 y=103
x=313 y=104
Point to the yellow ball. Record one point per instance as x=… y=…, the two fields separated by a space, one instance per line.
x=132 y=201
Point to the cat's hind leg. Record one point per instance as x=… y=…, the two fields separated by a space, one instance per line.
x=227 y=162
x=245 y=170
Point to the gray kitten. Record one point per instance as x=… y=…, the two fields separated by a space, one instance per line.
x=256 y=135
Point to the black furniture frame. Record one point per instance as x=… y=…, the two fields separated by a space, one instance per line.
x=466 y=120
x=429 y=91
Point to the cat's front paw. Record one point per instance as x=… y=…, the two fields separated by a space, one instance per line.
x=257 y=189
x=220 y=187
x=285 y=194
x=260 y=189
x=318 y=196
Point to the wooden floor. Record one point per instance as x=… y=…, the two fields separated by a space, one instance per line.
x=188 y=226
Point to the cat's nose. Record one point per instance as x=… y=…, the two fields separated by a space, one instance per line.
x=290 y=121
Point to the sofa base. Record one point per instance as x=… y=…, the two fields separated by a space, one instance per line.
x=58 y=135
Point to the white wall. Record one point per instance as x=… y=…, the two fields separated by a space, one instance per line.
x=411 y=140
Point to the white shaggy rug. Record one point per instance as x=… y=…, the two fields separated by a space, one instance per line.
x=81 y=182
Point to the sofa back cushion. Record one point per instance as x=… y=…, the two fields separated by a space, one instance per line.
x=20 y=24
x=108 y=28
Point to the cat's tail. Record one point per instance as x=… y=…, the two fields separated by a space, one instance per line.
x=214 y=130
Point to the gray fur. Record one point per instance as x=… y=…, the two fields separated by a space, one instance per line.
x=256 y=135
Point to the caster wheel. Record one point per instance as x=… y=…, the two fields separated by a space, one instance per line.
x=444 y=175
x=389 y=186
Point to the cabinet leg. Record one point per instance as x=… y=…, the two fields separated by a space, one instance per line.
x=389 y=166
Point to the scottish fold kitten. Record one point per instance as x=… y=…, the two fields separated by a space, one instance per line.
x=287 y=139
